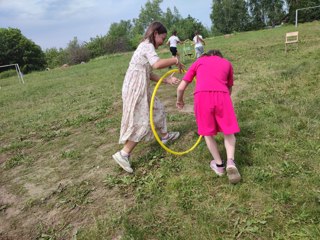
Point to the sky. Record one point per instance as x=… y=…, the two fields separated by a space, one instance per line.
x=54 y=23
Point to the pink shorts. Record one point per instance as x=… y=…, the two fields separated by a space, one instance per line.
x=214 y=113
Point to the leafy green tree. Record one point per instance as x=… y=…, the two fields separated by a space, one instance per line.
x=55 y=57
x=96 y=46
x=306 y=15
x=170 y=19
x=119 y=37
x=186 y=28
x=257 y=14
x=76 y=52
x=16 y=48
x=151 y=12
x=229 y=15
x=266 y=12
x=273 y=11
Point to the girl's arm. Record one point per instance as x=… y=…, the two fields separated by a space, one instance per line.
x=180 y=91
x=230 y=79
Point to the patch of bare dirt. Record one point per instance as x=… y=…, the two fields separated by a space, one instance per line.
x=9 y=208
x=3 y=158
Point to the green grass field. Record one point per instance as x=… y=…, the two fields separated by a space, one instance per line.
x=59 y=130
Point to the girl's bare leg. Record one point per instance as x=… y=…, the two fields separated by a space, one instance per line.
x=230 y=145
x=129 y=146
x=213 y=148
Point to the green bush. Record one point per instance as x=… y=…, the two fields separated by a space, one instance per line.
x=8 y=73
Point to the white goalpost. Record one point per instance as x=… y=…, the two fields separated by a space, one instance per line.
x=20 y=76
x=303 y=9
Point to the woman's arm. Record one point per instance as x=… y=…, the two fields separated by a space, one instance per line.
x=170 y=80
x=154 y=77
x=163 y=63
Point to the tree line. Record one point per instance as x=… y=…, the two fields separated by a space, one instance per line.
x=227 y=16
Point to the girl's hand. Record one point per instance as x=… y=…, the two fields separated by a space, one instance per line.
x=180 y=104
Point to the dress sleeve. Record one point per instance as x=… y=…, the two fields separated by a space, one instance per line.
x=230 y=76
x=150 y=53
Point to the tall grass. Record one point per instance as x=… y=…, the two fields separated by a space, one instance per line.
x=59 y=130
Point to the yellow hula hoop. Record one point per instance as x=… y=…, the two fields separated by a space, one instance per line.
x=152 y=123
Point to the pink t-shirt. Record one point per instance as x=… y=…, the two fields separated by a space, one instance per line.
x=212 y=73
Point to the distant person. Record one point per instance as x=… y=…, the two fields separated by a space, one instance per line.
x=136 y=96
x=198 y=44
x=173 y=41
x=213 y=107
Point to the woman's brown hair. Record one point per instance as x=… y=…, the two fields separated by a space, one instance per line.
x=154 y=27
x=213 y=53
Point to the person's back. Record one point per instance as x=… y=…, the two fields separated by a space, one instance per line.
x=172 y=42
x=213 y=73
x=198 y=44
x=197 y=40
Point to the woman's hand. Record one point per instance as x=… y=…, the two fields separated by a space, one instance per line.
x=173 y=80
x=181 y=67
x=179 y=64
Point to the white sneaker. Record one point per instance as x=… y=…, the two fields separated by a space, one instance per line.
x=123 y=162
x=171 y=137
x=232 y=172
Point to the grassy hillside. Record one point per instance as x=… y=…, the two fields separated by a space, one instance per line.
x=59 y=130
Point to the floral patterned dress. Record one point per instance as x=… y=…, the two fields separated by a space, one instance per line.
x=136 y=97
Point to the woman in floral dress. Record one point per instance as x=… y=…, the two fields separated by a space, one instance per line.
x=136 y=95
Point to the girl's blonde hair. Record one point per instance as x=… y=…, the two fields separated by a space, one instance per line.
x=154 y=27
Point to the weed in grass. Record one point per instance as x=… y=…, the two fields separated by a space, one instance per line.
x=291 y=169
x=3 y=207
x=171 y=164
x=71 y=154
x=121 y=182
x=46 y=232
x=76 y=195
x=49 y=135
x=17 y=160
x=104 y=124
x=30 y=203
x=17 y=145
x=282 y=196
x=79 y=120
x=262 y=175
x=105 y=106
x=188 y=192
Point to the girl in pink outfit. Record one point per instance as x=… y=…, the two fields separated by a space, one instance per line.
x=213 y=107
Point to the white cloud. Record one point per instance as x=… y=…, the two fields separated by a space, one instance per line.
x=41 y=12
